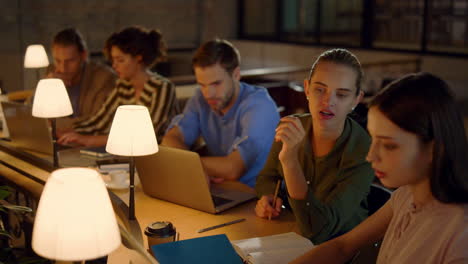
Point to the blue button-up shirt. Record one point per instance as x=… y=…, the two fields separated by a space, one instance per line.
x=248 y=126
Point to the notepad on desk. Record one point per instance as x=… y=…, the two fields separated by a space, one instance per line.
x=279 y=249
x=210 y=249
x=99 y=152
x=115 y=163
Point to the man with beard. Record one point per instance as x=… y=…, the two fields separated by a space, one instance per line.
x=236 y=120
x=88 y=83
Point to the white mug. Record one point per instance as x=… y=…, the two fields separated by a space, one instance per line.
x=118 y=176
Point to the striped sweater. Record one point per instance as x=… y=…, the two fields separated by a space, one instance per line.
x=158 y=95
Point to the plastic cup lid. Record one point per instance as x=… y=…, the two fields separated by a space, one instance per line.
x=160 y=228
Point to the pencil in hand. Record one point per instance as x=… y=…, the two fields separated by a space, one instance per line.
x=275 y=196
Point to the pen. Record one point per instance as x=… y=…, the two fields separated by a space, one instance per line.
x=275 y=196
x=221 y=225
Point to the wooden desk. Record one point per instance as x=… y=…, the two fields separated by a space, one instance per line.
x=186 y=220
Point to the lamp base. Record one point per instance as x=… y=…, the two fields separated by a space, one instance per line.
x=131 y=206
x=54 y=140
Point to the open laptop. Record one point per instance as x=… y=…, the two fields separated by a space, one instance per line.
x=177 y=176
x=26 y=131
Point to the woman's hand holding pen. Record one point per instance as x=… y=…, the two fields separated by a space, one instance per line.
x=264 y=208
x=291 y=133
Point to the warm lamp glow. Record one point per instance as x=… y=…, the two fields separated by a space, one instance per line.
x=75 y=220
x=51 y=99
x=36 y=57
x=132 y=132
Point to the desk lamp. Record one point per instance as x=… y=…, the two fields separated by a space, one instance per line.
x=51 y=101
x=36 y=57
x=132 y=134
x=75 y=220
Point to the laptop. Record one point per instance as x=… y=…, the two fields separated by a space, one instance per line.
x=26 y=131
x=177 y=176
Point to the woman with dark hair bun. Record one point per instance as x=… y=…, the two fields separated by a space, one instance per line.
x=137 y=41
x=132 y=52
x=419 y=146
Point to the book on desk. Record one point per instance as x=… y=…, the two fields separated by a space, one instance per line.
x=275 y=249
x=210 y=249
x=99 y=152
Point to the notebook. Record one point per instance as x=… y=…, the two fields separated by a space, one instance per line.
x=210 y=249
x=99 y=152
x=275 y=249
x=177 y=176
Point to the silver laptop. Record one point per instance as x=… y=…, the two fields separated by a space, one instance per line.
x=26 y=131
x=177 y=176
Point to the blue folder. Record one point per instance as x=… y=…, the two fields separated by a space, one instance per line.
x=210 y=249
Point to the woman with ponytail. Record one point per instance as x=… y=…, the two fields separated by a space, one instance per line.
x=132 y=51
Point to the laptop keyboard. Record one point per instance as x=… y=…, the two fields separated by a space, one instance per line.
x=218 y=201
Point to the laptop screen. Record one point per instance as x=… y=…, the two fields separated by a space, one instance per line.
x=26 y=131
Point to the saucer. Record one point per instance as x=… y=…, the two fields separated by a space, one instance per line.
x=117 y=186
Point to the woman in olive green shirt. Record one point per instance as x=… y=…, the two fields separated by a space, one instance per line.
x=321 y=155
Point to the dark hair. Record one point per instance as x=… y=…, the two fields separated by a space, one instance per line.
x=70 y=37
x=217 y=51
x=423 y=104
x=136 y=40
x=344 y=57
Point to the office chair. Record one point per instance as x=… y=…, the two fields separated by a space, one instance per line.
x=376 y=198
x=359 y=114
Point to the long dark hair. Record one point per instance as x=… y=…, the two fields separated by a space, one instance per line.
x=137 y=40
x=423 y=104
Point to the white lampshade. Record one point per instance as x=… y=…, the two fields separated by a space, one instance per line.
x=36 y=57
x=132 y=132
x=75 y=220
x=51 y=99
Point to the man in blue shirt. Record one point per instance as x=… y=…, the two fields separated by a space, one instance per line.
x=236 y=120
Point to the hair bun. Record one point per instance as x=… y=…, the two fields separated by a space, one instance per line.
x=158 y=42
x=155 y=35
x=137 y=40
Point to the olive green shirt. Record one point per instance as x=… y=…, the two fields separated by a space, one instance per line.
x=338 y=183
